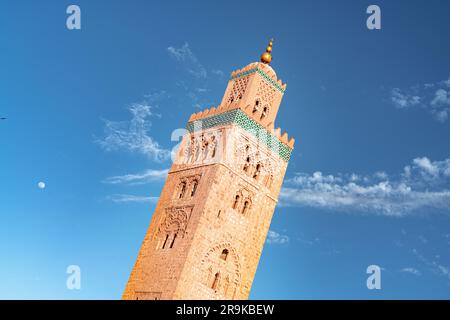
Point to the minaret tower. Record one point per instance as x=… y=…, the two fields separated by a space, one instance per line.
x=213 y=215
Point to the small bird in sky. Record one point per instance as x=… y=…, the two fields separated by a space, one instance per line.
x=3 y=118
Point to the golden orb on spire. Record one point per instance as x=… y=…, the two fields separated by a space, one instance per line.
x=266 y=57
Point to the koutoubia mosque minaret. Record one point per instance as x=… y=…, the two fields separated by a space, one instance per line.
x=211 y=222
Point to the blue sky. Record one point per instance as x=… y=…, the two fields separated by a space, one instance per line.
x=91 y=111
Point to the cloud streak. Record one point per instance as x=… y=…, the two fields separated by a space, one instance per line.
x=127 y=198
x=274 y=237
x=138 y=178
x=421 y=185
x=187 y=58
x=434 y=97
x=434 y=265
x=133 y=135
x=411 y=270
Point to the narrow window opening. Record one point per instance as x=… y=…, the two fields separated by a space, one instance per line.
x=257 y=171
x=183 y=190
x=173 y=240
x=165 y=241
x=256 y=107
x=236 y=202
x=215 y=281
x=194 y=188
x=247 y=164
x=245 y=208
x=224 y=254
x=264 y=113
x=205 y=151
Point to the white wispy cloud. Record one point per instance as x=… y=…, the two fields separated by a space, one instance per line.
x=138 y=178
x=274 y=237
x=434 y=264
x=434 y=97
x=403 y=100
x=185 y=56
x=411 y=270
x=126 y=198
x=219 y=73
x=196 y=87
x=422 y=184
x=133 y=135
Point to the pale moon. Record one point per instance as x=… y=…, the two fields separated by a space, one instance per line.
x=41 y=185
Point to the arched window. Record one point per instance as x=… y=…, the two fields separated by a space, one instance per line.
x=264 y=113
x=236 y=202
x=165 y=241
x=194 y=187
x=256 y=107
x=224 y=254
x=245 y=207
x=215 y=281
x=173 y=240
x=182 y=190
x=247 y=164
x=205 y=151
x=257 y=171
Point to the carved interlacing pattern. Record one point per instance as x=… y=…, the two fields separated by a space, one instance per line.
x=238 y=89
x=266 y=93
x=175 y=221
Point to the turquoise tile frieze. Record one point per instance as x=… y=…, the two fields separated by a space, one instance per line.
x=238 y=117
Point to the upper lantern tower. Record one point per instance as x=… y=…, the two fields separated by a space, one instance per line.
x=256 y=90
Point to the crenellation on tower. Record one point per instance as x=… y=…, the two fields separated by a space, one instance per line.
x=213 y=215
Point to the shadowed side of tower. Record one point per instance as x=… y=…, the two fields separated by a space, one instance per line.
x=213 y=215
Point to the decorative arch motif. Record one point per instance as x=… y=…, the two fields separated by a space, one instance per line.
x=256 y=163
x=187 y=187
x=242 y=201
x=201 y=148
x=222 y=276
x=173 y=226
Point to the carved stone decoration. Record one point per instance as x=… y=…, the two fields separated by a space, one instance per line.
x=186 y=187
x=242 y=201
x=222 y=271
x=175 y=221
x=255 y=162
x=202 y=147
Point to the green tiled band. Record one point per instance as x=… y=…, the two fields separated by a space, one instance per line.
x=238 y=117
x=263 y=74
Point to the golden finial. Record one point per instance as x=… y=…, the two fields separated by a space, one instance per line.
x=266 y=57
